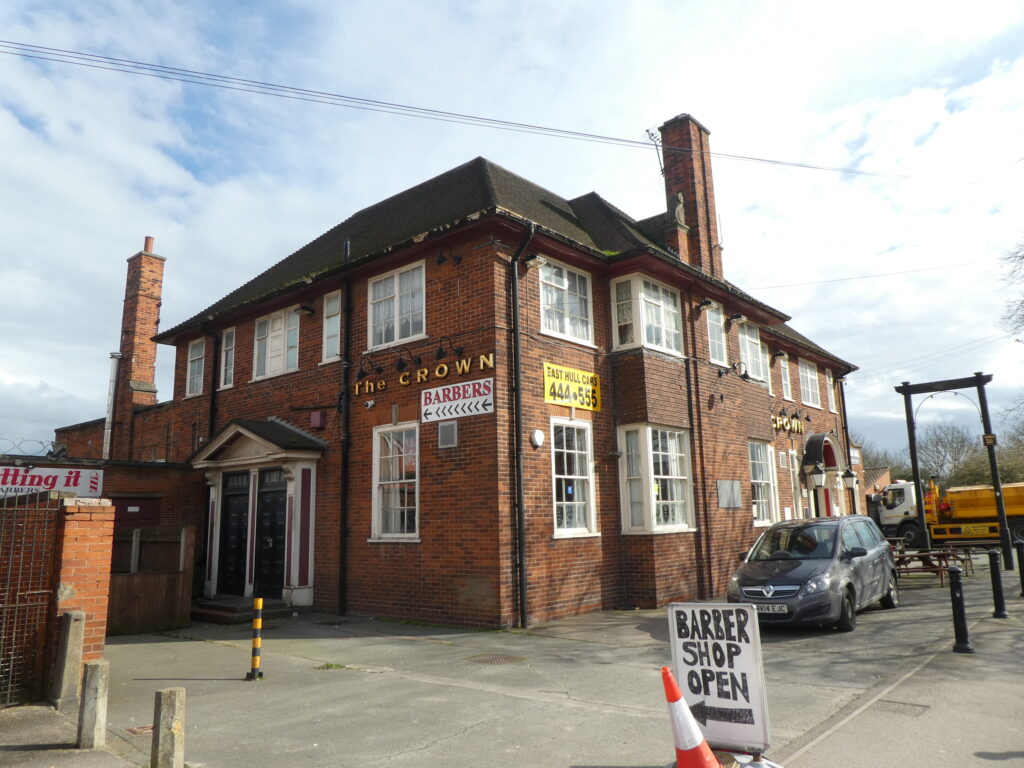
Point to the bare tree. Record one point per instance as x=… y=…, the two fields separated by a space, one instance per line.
x=1013 y=315
x=945 y=450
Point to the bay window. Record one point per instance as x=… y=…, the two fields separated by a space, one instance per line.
x=657 y=492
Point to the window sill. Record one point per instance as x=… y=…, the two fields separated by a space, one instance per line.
x=194 y=394
x=661 y=531
x=571 y=339
x=272 y=376
x=329 y=360
x=763 y=523
x=810 y=405
x=395 y=540
x=398 y=343
x=575 y=535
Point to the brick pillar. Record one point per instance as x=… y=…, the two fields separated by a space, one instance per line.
x=136 y=376
x=84 y=547
x=692 y=226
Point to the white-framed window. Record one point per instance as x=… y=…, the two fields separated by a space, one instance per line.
x=763 y=489
x=787 y=384
x=565 y=303
x=196 y=366
x=750 y=352
x=830 y=390
x=718 y=351
x=332 y=326
x=647 y=313
x=276 y=344
x=809 y=393
x=657 y=486
x=227 y=358
x=573 y=477
x=396 y=302
x=396 y=481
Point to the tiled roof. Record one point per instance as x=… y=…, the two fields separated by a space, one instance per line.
x=283 y=435
x=785 y=332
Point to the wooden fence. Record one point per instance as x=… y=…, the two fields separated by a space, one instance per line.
x=151 y=579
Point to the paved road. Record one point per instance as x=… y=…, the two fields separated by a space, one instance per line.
x=586 y=691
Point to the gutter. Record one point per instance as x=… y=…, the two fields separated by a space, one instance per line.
x=517 y=410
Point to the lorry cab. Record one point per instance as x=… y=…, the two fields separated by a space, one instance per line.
x=895 y=510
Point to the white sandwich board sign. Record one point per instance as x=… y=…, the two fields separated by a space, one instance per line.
x=716 y=658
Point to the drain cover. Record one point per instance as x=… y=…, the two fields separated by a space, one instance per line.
x=496 y=658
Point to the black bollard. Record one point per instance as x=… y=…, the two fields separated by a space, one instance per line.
x=997 y=586
x=956 y=597
x=1019 y=546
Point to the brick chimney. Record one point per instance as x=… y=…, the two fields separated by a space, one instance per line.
x=136 y=375
x=691 y=228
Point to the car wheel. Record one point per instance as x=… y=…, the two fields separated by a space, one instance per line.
x=891 y=599
x=848 y=616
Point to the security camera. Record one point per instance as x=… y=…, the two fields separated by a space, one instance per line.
x=369 y=404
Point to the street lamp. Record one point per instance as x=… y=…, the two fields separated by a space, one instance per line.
x=817 y=476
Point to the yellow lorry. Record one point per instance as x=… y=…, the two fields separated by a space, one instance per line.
x=963 y=514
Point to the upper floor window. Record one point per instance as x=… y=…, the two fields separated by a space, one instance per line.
x=332 y=325
x=787 y=385
x=196 y=363
x=750 y=352
x=227 y=358
x=396 y=306
x=572 y=475
x=641 y=305
x=276 y=344
x=717 y=349
x=766 y=360
x=565 y=303
x=830 y=390
x=396 y=481
x=763 y=489
x=809 y=393
x=657 y=491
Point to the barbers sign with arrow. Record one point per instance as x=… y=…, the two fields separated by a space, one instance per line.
x=716 y=657
x=453 y=401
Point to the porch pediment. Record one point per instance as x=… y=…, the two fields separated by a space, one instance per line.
x=247 y=442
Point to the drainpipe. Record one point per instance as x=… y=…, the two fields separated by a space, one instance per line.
x=214 y=381
x=697 y=432
x=517 y=408
x=846 y=436
x=344 y=403
x=108 y=427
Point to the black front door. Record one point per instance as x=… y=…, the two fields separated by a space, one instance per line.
x=271 y=521
x=234 y=529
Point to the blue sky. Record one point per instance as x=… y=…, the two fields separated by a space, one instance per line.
x=930 y=96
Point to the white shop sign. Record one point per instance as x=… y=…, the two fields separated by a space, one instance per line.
x=85 y=483
x=453 y=401
x=716 y=658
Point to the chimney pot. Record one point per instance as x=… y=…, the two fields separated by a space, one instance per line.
x=148 y=244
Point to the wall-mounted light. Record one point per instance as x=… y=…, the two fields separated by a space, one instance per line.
x=537 y=438
x=817 y=476
x=400 y=364
x=782 y=412
x=849 y=479
x=440 y=258
x=304 y=309
x=441 y=352
x=779 y=353
x=534 y=260
x=705 y=304
x=374 y=365
x=736 y=317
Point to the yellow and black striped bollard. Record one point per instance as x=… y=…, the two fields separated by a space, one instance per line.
x=257 y=632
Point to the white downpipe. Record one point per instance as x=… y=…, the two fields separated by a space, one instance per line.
x=108 y=427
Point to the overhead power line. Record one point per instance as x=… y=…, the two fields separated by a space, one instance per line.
x=212 y=80
x=860 y=277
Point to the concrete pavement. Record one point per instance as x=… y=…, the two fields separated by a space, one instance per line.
x=585 y=691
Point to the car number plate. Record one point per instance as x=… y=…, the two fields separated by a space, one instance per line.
x=771 y=608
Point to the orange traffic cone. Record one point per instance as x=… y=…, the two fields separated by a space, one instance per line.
x=692 y=750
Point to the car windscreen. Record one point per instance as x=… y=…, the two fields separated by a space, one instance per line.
x=807 y=542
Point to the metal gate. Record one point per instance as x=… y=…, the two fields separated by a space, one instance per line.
x=28 y=539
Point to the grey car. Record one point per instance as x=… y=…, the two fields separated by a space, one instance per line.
x=817 y=571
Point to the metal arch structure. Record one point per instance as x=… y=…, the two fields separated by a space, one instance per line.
x=979 y=380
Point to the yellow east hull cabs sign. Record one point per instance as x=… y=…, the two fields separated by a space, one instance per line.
x=572 y=387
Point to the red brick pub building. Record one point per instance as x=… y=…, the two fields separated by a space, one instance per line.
x=479 y=403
